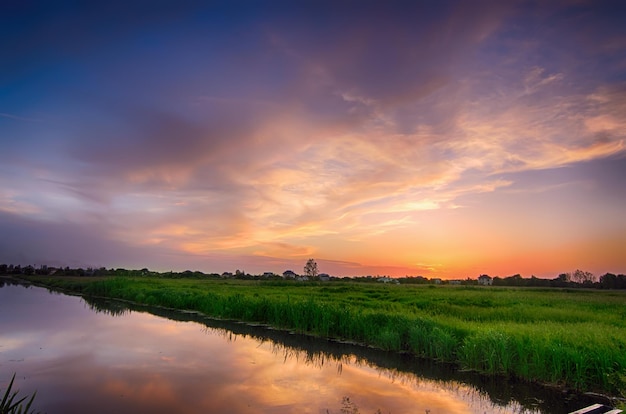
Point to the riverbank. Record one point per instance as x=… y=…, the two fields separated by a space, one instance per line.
x=570 y=339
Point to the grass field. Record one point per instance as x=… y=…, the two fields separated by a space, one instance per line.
x=569 y=338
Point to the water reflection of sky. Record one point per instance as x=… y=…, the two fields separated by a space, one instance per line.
x=82 y=361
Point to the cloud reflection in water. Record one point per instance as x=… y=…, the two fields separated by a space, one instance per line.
x=84 y=361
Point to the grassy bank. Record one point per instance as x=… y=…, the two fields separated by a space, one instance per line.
x=568 y=338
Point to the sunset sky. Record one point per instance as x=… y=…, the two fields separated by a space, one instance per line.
x=436 y=138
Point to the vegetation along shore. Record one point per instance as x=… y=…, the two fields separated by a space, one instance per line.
x=571 y=338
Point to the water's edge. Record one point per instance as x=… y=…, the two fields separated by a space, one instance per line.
x=500 y=390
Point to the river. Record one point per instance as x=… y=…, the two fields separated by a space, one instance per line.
x=95 y=356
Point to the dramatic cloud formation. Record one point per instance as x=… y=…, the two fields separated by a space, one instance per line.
x=436 y=138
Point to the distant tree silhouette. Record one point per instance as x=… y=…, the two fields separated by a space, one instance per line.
x=310 y=269
x=611 y=281
x=580 y=276
x=608 y=281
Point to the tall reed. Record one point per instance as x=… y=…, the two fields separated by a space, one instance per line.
x=9 y=405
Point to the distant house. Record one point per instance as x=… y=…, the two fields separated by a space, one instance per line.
x=455 y=281
x=289 y=274
x=227 y=275
x=436 y=281
x=268 y=275
x=386 y=279
x=485 y=280
x=324 y=277
x=303 y=278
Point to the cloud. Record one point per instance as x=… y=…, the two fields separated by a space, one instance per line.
x=371 y=53
x=535 y=81
x=29 y=241
x=18 y=118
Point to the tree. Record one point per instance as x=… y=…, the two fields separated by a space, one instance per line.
x=564 y=277
x=608 y=281
x=583 y=277
x=310 y=269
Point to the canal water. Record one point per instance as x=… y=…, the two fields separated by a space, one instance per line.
x=95 y=356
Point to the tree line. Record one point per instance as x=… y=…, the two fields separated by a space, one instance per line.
x=576 y=279
x=565 y=280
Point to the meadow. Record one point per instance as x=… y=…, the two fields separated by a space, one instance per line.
x=570 y=338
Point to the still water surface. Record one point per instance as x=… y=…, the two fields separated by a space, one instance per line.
x=85 y=356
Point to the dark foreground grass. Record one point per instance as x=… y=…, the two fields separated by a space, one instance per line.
x=10 y=404
x=569 y=338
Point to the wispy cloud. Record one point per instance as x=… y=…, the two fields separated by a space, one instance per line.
x=18 y=118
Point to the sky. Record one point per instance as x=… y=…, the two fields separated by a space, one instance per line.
x=436 y=138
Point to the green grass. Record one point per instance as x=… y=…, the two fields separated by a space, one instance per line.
x=569 y=338
x=9 y=404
